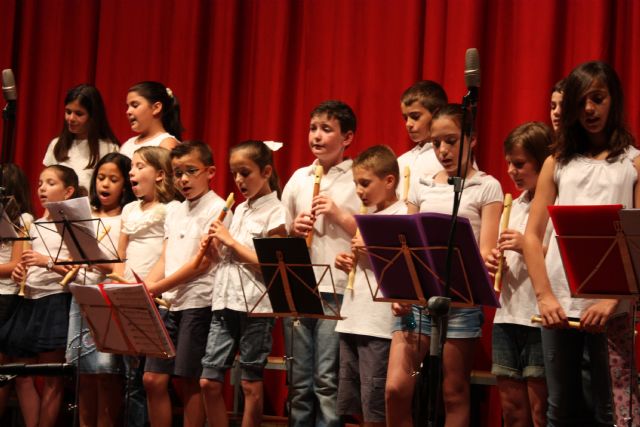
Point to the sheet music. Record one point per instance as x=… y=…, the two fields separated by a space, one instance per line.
x=77 y=213
x=131 y=325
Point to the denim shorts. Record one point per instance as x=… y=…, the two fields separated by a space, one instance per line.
x=232 y=332
x=517 y=351
x=463 y=322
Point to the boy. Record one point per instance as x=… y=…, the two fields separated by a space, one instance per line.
x=314 y=367
x=365 y=331
x=418 y=104
x=189 y=293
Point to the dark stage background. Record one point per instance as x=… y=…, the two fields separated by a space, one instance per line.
x=254 y=69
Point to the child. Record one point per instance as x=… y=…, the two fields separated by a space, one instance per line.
x=85 y=136
x=17 y=206
x=314 y=367
x=594 y=162
x=140 y=243
x=37 y=330
x=100 y=396
x=418 y=104
x=517 y=347
x=237 y=288
x=154 y=114
x=556 y=104
x=365 y=332
x=481 y=204
x=190 y=313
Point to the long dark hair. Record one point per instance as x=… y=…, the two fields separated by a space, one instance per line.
x=123 y=163
x=571 y=136
x=157 y=92
x=17 y=186
x=97 y=126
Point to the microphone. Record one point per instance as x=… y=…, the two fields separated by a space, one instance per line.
x=472 y=74
x=9 y=85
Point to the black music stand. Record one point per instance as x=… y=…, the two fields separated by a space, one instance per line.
x=291 y=285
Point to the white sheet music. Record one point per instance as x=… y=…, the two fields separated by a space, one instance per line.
x=131 y=325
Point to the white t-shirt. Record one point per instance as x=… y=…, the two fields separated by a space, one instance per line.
x=8 y=286
x=423 y=163
x=233 y=282
x=131 y=145
x=184 y=227
x=362 y=315
x=46 y=240
x=518 y=298
x=79 y=155
x=146 y=234
x=328 y=239
x=479 y=190
x=586 y=181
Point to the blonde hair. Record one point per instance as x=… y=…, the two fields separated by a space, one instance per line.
x=159 y=159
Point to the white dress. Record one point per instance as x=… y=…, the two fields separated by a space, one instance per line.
x=130 y=146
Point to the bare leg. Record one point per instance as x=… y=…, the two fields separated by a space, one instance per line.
x=88 y=400
x=4 y=391
x=110 y=399
x=214 y=403
x=404 y=359
x=457 y=360
x=193 y=404
x=52 y=390
x=253 y=403
x=537 y=390
x=515 y=402
x=158 y=401
x=28 y=398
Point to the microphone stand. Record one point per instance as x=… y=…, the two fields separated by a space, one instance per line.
x=439 y=307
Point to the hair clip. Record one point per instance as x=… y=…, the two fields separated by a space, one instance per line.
x=273 y=145
x=170 y=93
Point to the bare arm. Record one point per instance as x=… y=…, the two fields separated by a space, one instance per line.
x=169 y=143
x=16 y=253
x=123 y=242
x=490 y=217
x=552 y=313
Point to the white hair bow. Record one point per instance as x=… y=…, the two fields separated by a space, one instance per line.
x=273 y=145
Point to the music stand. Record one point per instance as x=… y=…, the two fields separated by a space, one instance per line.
x=600 y=250
x=291 y=286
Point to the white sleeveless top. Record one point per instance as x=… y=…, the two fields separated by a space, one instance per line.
x=586 y=181
x=130 y=146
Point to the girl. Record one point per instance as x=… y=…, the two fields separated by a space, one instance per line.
x=17 y=206
x=517 y=346
x=86 y=135
x=556 y=104
x=261 y=215
x=594 y=162
x=481 y=204
x=154 y=114
x=37 y=330
x=100 y=373
x=140 y=243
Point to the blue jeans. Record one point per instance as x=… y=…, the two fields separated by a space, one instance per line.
x=313 y=374
x=563 y=351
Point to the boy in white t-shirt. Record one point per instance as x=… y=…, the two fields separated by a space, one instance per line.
x=189 y=294
x=365 y=331
x=418 y=104
x=314 y=365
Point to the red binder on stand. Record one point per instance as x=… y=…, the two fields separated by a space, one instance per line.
x=594 y=250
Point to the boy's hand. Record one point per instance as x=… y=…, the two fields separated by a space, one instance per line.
x=491 y=262
x=357 y=243
x=594 y=318
x=511 y=240
x=302 y=224
x=19 y=273
x=551 y=312
x=324 y=205
x=344 y=262
x=400 y=309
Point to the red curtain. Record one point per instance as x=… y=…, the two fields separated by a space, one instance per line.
x=254 y=69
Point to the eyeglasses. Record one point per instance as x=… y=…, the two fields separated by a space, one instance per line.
x=191 y=173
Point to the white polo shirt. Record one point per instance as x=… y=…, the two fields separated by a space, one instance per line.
x=329 y=239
